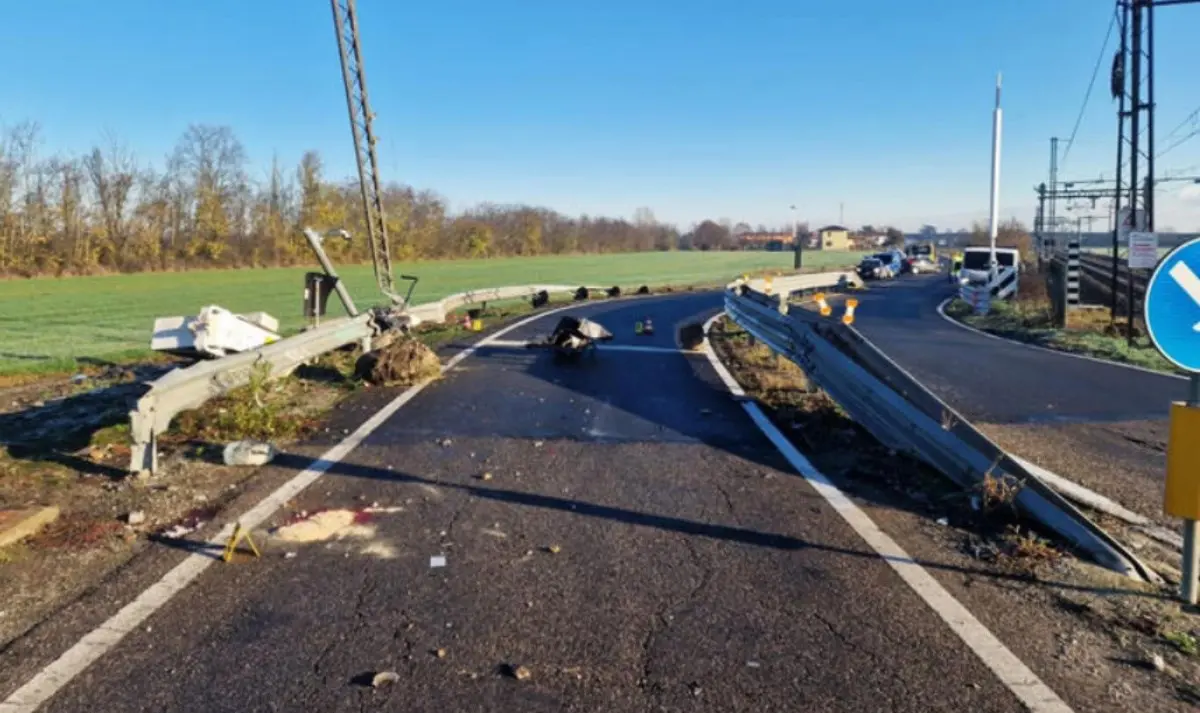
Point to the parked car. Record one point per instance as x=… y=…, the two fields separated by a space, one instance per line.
x=881 y=266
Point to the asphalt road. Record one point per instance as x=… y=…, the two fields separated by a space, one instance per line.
x=694 y=570
x=1099 y=424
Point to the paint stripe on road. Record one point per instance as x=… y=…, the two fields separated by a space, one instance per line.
x=602 y=346
x=103 y=638
x=1010 y=670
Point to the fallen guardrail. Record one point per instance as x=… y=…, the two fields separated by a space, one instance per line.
x=899 y=411
x=190 y=387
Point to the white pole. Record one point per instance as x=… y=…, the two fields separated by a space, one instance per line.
x=997 y=121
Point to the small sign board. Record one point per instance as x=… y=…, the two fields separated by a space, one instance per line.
x=1143 y=250
x=1125 y=222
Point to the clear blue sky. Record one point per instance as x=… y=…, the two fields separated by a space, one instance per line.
x=705 y=108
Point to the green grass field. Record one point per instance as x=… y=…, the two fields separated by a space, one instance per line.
x=50 y=325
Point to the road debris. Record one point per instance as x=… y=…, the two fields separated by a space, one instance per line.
x=486 y=476
x=325 y=525
x=517 y=671
x=440 y=653
x=248 y=452
x=445 y=443
x=554 y=549
x=289 y=555
x=402 y=363
x=437 y=561
x=384 y=678
x=691 y=336
x=135 y=518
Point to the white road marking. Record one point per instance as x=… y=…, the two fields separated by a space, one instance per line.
x=103 y=638
x=1186 y=279
x=1010 y=670
x=602 y=346
x=941 y=310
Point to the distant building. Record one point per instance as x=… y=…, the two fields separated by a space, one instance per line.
x=765 y=240
x=834 y=237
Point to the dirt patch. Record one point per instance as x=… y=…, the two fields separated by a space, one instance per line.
x=403 y=363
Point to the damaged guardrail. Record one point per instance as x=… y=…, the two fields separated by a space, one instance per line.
x=190 y=387
x=899 y=411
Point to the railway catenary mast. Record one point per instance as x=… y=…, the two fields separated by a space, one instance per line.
x=345 y=21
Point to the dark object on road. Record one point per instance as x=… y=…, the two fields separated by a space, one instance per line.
x=643 y=290
x=691 y=336
x=403 y=363
x=581 y=293
x=644 y=327
x=614 y=291
x=573 y=336
x=541 y=299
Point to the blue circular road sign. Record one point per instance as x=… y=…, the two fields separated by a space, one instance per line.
x=1172 y=308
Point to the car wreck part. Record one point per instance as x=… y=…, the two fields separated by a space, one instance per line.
x=214 y=332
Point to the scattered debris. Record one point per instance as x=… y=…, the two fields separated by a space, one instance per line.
x=440 y=653
x=486 y=476
x=691 y=336
x=517 y=671
x=403 y=363
x=538 y=444
x=177 y=532
x=289 y=555
x=79 y=378
x=695 y=689
x=1157 y=662
x=135 y=518
x=943 y=521
x=16 y=525
x=385 y=678
x=325 y=525
x=214 y=332
x=445 y=443
x=554 y=549
x=437 y=561
x=249 y=452
x=753 y=664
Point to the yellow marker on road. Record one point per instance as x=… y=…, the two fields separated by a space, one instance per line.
x=848 y=317
x=826 y=310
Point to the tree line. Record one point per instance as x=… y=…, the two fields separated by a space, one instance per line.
x=107 y=211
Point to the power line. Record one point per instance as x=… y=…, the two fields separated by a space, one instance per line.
x=1088 y=95
x=1190 y=118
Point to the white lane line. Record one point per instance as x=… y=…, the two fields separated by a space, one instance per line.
x=100 y=640
x=1010 y=670
x=602 y=346
x=941 y=310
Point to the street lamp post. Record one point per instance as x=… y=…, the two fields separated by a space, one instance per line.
x=796 y=247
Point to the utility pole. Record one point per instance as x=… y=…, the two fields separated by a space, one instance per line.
x=842 y=214
x=997 y=126
x=1052 y=220
x=797 y=260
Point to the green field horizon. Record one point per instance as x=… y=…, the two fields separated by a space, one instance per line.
x=55 y=324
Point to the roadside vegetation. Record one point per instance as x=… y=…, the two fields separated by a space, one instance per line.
x=1090 y=332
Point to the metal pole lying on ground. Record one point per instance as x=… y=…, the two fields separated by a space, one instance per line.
x=994 y=209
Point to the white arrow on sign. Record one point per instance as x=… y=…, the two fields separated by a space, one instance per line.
x=1187 y=280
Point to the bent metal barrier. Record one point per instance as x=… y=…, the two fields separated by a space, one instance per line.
x=188 y=388
x=895 y=408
